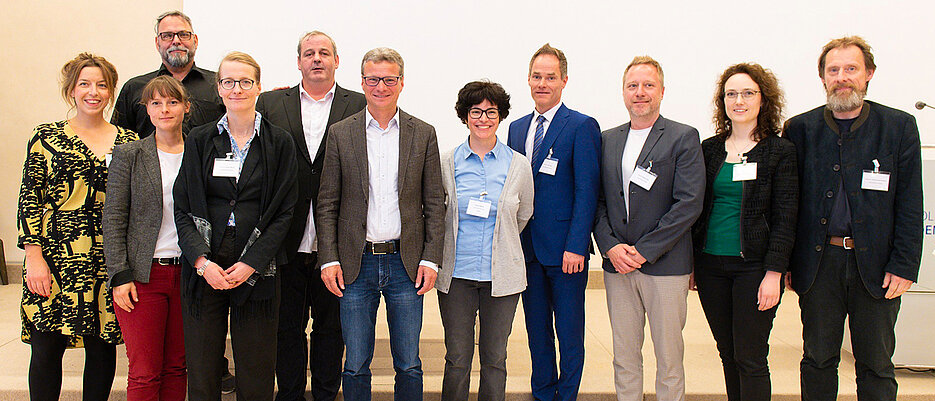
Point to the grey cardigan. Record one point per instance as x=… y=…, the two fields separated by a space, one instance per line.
x=514 y=208
x=132 y=209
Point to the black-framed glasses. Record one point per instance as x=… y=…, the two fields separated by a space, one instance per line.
x=168 y=36
x=245 y=84
x=391 y=80
x=492 y=113
x=746 y=94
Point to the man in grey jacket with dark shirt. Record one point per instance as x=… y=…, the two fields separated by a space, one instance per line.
x=653 y=179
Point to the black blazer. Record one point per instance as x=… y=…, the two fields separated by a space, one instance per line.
x=769 y=205
x=283 y=108
x=886 y=225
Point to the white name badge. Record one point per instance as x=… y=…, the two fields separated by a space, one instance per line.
x=226 y=168
x=643 y=177
x=875 y=180
x=478 y=208
x=549 y=166
x=744 y=171
x=107 y=158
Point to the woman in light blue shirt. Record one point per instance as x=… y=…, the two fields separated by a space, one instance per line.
x=489 y=191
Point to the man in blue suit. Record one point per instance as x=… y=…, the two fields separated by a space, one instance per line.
x=564 y=147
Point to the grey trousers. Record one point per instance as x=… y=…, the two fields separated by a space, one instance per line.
x=459 y=309
x=631 y=298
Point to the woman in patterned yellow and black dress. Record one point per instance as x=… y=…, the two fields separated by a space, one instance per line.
x=65 y=300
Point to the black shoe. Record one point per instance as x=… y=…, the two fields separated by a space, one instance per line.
x=228 y=383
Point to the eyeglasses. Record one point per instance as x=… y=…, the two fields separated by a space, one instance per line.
x=492 y=113
x=746 y=94
x=228 y=84
x=168 y=36
x=388 y=81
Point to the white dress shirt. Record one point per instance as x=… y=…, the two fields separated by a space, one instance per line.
x=531 y=134
x=315 y=114
x=167 y=242
x=631 y=152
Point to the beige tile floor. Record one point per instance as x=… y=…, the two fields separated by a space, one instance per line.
x=704 y=379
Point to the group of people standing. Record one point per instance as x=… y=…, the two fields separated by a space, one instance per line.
x=259 y=211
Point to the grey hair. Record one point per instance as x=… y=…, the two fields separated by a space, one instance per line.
x=334 y=47
x=173 y=13
x=382 y=54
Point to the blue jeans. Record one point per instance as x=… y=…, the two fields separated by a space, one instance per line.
x=382 y=274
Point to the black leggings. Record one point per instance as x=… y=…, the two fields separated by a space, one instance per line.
x=45 y=366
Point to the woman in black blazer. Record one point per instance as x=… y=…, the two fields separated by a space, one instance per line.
x=744 y=236
x=141 y=246
x=233 y=206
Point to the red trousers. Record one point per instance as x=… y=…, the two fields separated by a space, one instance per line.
x=154 y=338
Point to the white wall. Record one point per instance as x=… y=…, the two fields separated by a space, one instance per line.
x=447 y=44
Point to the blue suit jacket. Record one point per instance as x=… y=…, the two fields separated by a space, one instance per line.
x=564 y=204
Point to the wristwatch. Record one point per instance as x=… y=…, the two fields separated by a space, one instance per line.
x=200 y=270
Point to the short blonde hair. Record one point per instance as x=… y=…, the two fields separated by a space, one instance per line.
x=382 y=54
x=72 y=69
x=646 y=60
x=240 y=57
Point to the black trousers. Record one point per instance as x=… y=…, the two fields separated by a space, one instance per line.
x=727 y=288
x=304 y=295
x=45 y=366
x=839 y=292
x=253 y=340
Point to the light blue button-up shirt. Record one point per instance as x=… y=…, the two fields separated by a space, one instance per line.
x=239 y=154
x=473 y=177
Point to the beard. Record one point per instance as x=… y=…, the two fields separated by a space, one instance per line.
x=844 y=102
x=179 y=60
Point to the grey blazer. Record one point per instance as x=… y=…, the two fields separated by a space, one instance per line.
x=132 y=209
x=514 y=208
x=341 y=215
x=661 y=220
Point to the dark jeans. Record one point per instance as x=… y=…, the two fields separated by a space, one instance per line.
x=304 y=295
x=727 y=288
x=839 y=292
x=45 y=366
x=382 y=275
x=459 y=309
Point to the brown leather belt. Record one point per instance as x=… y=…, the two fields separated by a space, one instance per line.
x=844 y=242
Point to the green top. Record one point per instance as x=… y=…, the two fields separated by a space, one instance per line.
x=724 y=224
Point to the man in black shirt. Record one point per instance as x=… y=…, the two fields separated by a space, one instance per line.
x=176 y=44
x=858 y=243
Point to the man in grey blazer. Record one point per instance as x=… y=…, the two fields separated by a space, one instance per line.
x=307 y=110
x=381 y=222
x=653 y=180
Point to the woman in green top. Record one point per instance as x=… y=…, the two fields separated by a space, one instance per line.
x=745 y=233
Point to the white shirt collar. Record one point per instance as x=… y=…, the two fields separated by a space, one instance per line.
x=394 y=120
x=328 y=95
x=549 y=114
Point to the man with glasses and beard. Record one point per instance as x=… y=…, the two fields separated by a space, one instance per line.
x=859 y=240
x=176 y=43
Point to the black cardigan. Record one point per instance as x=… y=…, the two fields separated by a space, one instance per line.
x=262 y=199
x=770 y=202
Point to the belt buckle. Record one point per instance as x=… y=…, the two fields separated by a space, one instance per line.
x=844 y=243
x=373 y=248
x=159 y=261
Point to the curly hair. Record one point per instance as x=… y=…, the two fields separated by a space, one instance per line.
x=476 y=92
x=769 y=119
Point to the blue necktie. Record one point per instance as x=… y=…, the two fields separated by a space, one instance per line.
x=537 y=141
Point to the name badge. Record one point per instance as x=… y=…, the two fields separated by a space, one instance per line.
x=644 y=177
x=479 y=208
x=875 y=180
x=107 y=158
x=744 y=171
x=549 y=165
x=226 y=167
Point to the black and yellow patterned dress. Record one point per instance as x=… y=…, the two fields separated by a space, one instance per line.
x=60 y=207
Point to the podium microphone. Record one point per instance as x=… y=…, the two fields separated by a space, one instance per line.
x=921 y=105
